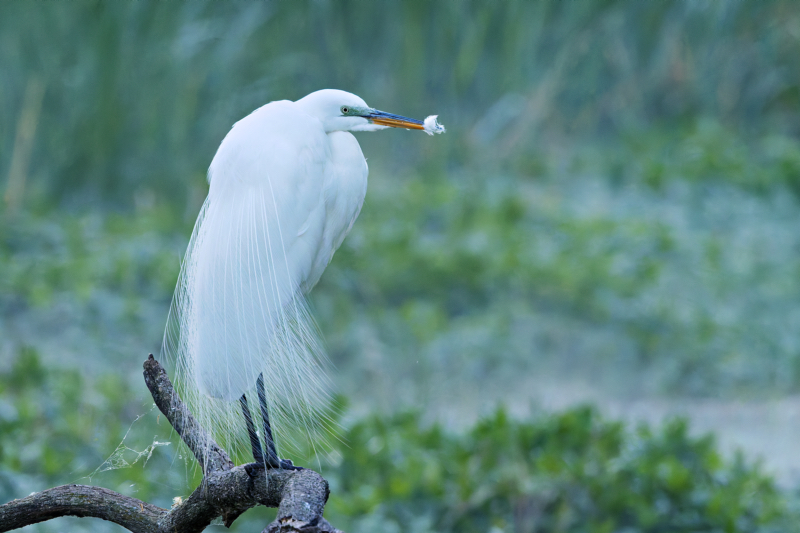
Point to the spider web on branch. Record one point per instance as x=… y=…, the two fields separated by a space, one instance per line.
x=124 y=456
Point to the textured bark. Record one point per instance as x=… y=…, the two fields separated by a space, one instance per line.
x=226 y=490
x=80 y=500
x=211 y=457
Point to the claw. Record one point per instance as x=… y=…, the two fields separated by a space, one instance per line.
x=286 y=464
x=255 y=469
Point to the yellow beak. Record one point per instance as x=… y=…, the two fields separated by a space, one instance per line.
x=394 y=121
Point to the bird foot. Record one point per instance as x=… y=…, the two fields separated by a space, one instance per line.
x=253 y=469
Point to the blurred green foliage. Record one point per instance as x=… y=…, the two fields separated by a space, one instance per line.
x=572 y=471
x=80 y=255
x=616 y=197
x=569 y=472
x=613 y=192
x=60 y=426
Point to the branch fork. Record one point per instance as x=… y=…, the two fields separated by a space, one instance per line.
x=226 y=490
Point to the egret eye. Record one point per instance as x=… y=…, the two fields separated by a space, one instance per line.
x=345 y=109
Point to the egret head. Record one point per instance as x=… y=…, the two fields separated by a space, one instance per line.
x=343 y=111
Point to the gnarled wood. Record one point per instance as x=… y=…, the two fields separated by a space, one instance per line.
x=226 y=490
x=211 y=457
x=81 y=500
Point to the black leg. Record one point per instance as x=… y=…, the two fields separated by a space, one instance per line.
x=272 y=454
x=258 y=454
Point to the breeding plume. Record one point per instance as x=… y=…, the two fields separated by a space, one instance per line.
x=285 y=187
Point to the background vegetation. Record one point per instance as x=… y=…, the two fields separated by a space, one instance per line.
x=616 y=198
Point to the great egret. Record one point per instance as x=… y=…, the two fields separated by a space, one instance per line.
x=285 y=187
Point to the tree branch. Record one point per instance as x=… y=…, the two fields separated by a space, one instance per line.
x=211 y=457
x=80 y=500
x=226 y=490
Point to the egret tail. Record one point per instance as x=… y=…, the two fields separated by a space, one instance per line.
x=236 y=315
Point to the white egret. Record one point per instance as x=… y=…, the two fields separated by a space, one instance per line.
x=285 y=187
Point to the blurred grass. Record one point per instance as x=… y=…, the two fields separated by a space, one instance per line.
x=136 y=96
x=616 y=197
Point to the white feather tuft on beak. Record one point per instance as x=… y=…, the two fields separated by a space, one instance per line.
x=430 y=125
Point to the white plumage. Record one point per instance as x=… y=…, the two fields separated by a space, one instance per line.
x=286 y=185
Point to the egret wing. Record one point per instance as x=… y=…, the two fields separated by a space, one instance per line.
x=238 y=305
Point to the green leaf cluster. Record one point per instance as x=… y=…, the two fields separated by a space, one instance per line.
x=572 y=471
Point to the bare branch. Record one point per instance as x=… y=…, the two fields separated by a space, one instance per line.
x=226 y=490
x=211 y=457
x=301 y=506
x=81 y=500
